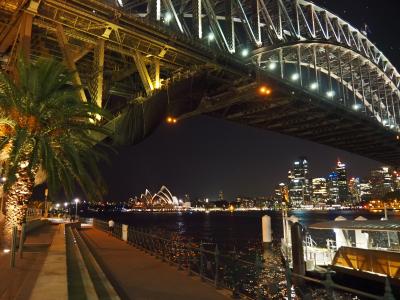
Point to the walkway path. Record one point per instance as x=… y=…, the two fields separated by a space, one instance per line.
x=17 y=283
x=139 y=276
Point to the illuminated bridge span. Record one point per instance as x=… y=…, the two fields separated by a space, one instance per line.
x=283 y=65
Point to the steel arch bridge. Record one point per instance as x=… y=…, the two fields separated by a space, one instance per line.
x=324 y=80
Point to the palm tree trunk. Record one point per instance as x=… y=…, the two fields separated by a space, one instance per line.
x=16 y=199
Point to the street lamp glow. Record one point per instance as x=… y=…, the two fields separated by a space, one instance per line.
x=314 y=86
x=295 y=76
x=330 y=94
x=76 y=200
x=65 y=204
x=272 y=66
x=57 y=205
x=245 y=52
x=210 y=36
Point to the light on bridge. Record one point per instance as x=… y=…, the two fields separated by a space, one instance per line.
x=356 y=106
x=171 y=120
x=210 y=36
x=168 y=17
x=272 y=66
x=295 y=76
x=314 y=86
x=245 y=52
x=330 y=94
x=263 y=90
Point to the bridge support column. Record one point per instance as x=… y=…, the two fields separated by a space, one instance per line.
x=63 y=43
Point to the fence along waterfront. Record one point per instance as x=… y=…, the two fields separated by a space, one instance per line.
x=229 y=271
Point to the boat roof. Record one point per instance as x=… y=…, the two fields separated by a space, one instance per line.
x=367 y=225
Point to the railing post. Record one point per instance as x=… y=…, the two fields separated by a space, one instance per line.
x=13 y=246
x=288 y=275
x=216 y=276
x=163 y=250
x=189 y=261
x=329 y=284
x=179 y=255
x=388 y=291
x=259 y=268
x=21 y=240
x=235 y=292
x=202 y=261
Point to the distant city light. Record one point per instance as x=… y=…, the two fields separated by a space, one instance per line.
x=263 y=90
x=272 y=66
x=356 y=106
x=211 y=36
x=245 y=52
x=168 y=17
x=295 y=76
x=314 y=85
x=57 y=205
x=330 y=94
x=171 y=120
x=6 y=250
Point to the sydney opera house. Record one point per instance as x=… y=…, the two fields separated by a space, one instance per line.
x=163 y=199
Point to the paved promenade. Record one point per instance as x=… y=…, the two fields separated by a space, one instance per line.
x=139 y=276
x=18 y=283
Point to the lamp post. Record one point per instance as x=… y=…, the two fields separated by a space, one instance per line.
x=2 y=182
x=76 y=200
x=46 y=209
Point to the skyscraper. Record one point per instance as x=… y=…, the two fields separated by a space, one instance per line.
x=381 y=182
x=343 y=188
x=319 y=190
x=299 y=190
x=333 y=189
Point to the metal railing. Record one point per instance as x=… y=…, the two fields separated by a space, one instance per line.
x=244 y=278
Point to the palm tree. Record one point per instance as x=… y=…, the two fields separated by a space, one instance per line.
x=44 y=126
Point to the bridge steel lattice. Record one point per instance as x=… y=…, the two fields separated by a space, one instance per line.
x=329 y=82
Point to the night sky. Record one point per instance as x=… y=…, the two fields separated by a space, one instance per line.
x=202 y=155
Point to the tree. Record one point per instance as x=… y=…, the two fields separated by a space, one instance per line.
x=44 y=125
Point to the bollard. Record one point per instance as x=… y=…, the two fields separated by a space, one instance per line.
x=21 y=240
x=13 y=246
x=266 y=231
x=216 y=277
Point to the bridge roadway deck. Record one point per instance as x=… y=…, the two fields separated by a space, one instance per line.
x=137 y=275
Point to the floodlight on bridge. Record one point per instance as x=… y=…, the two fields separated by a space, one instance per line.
x=356 y=106
x=330 y=94
x=263 y=90
x=272 y=66
x=314 y=86
x=295 y=76
x=245 y=52
x=171 y=120
x=167 y=17
x=210 y=36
